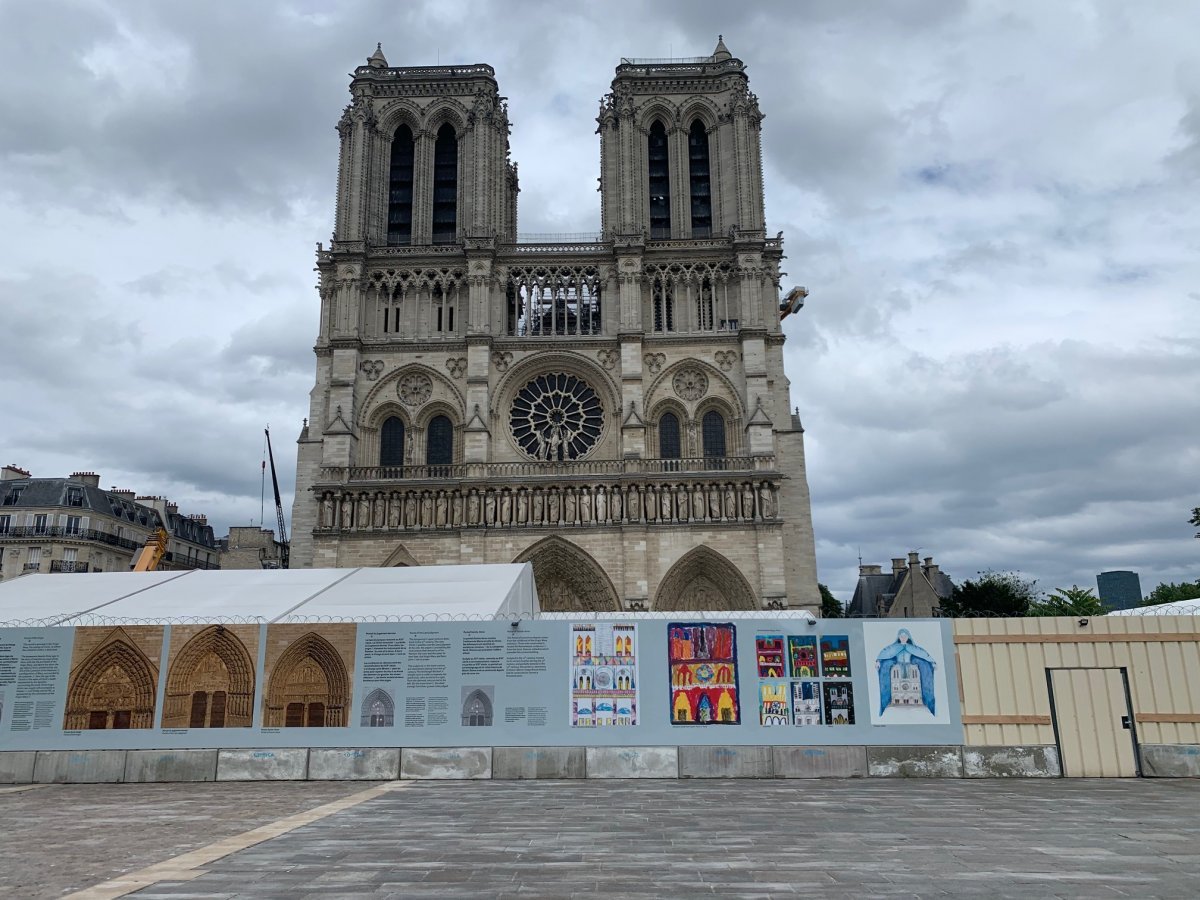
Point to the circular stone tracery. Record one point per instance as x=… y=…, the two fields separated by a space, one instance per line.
x=556 y=417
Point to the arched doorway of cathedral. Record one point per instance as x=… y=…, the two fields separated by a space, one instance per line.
x=112 y=688
x=309 y=686
x=568 y=579
x=703 y=579
x=210 y=683
x=399 y=558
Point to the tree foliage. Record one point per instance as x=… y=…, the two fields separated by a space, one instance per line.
x=1169 y=592
x=831 y=606
x=992 y=594
x=1072 y=601
x=1195 y=519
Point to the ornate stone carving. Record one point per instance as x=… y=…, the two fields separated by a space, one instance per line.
x=690 y=383
x=579 y=505
x=371 y=368
x=608 y=358
x=556 y=416
x=725 y=359
x=502 y=359
x=654 y=362
x=414 y=389
x=457 y=366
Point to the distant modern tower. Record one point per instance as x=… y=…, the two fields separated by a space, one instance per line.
x=612 y=408
x=1119 y=590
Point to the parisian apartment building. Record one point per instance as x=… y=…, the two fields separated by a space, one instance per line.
x=72 y=525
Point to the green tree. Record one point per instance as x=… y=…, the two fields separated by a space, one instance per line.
x=831 y=606
x=1072 y=601
x=1169 y=592
x=1195 y=519
x=992 y=594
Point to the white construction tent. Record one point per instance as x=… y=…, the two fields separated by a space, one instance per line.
x=267 y=596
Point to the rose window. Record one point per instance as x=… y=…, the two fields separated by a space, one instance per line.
x=556 y=417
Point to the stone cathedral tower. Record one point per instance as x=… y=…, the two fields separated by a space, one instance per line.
x=612 y=408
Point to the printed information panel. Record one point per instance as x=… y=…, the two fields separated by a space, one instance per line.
x=636 y=682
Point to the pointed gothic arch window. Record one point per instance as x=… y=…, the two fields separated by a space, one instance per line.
x=391 y=442
x=400 y=188
x=658 y=158
x=701 y=184
x=668 y=438
x=445 y=186
x=439 y=442
x=712 y=428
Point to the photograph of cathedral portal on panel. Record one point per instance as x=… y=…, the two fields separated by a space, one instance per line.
x=210 y=676
x=702 y=658
x=307 y=675
x=906 y=681
x=604 y=674
x=114 y=677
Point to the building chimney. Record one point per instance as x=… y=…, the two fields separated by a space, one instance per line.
x=913 y=559
x=869 y=570
x=199 y=518
x=120 y=492
x=898 y=565
x=12 y=473
x=91 y=479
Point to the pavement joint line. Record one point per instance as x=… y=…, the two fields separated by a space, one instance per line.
x=21 y=788
x=186 y=866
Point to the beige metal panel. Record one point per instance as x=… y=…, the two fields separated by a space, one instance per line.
x=1089 y=704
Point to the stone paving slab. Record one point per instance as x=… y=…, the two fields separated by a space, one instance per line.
x=903 y=837
x=62 y=838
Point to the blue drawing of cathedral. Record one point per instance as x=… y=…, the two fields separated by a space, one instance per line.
x=905 y=675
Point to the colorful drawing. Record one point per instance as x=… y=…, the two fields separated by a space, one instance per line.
x=702 y=657
x=806 y=702
x=604 y=676
x=768 y=649
x=835 y=656
x=802 y=656
x=839 y=703
x=773 y=703
x=909 y=683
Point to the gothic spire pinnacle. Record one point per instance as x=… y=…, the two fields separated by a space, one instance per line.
x=722 y=52
x=377 y=60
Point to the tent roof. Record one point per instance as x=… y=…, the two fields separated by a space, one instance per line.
x=271 y=595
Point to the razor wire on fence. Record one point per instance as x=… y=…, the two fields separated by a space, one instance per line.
x=97 y=620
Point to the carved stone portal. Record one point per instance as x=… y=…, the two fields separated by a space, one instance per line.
x=568 y=579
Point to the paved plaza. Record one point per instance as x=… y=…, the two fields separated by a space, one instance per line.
x=853 y=838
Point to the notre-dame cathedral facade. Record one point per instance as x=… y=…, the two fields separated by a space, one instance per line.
x=612 y=408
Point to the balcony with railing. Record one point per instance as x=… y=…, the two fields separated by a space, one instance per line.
x=579 y=470
x=182 y=561
x=67 y=565
x=70 y=533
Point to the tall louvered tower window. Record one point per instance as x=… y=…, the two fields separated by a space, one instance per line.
x=660 y=182
x=445 y=186
x=701 y=185
x=400 y=189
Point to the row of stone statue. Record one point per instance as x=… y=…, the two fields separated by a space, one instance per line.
x=504 y=507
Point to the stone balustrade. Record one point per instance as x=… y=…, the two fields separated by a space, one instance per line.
x=732 y=466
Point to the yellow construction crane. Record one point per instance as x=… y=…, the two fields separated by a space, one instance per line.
x=152 y=552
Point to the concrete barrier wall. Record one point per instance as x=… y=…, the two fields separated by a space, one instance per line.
x=387 y=764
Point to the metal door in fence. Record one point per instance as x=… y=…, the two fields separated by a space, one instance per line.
x=1093 y=722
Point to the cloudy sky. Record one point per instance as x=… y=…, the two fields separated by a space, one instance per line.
x=993 y=205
